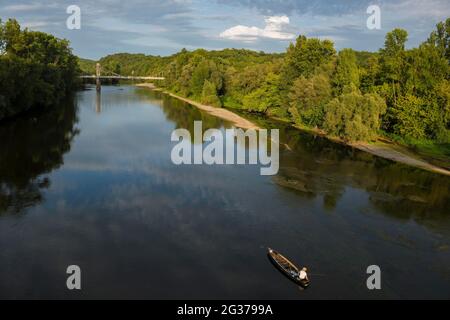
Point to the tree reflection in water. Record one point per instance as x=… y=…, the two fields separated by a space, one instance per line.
x=316 y=167
x=313 y=166
x=33 y=146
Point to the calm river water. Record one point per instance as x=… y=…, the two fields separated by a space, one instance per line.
x=92 y=184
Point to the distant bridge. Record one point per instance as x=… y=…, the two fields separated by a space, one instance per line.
x=122 y=77
x=98 y=76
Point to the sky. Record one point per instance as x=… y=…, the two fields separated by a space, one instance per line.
x=163 y=27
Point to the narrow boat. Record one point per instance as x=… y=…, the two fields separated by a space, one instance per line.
x=286 y=267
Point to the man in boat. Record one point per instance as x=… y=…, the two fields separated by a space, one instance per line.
x=303 y=274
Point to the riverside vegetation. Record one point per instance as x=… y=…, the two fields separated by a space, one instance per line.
x=400 y=94
x=37 y=70
x=395 y=93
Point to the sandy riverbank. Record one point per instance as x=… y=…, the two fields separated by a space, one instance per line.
x=386 y=151
x=382 y=150
x=224 y=114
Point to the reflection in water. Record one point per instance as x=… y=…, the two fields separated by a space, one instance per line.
x=98 y=102
x=33 y=146
x=315 y=167
x=141 y=227
x=181 y=113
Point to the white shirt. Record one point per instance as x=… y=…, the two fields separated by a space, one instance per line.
x=303 y=275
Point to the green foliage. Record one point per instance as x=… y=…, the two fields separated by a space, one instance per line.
x=209 y=94
x=369 y=74
x=347 y=73
x=305 y=56
x=354 y=116
x=414 y=85
x=308 y=98
x=205 y=70
x=2 y=38
x=393 y=60
x=417 y=118
x=441 y=38
x=350 y=95
x=425 y=69
x=87 y=67
x=36 y=69
x=265 y=97
x=443 y=101
x=410 y=114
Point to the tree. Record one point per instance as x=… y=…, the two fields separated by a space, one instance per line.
x=265 y=97
x=205 y=70
x=412 y=118
x=308 y=98
x=36 y=69
x=425 y=69
x=209 y=94
x=347 y=73
x=443 y=101
x=441 y=38
x=348 y=94
x=370 y=74
x=393 y=61
x=303 y=58
x=13 y=38
x=2 y=39
x=354 y=116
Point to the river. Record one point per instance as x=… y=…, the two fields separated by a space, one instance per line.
x=91 y=184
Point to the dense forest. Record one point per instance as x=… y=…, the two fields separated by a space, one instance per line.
x=357 y=96
x=37 y=70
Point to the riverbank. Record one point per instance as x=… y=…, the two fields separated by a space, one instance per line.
x=398 y=154
x=221 y=113
x=380 y=149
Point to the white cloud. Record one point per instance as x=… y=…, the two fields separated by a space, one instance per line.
x=275 y=29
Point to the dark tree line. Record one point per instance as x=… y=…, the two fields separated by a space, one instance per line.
x=37 y=70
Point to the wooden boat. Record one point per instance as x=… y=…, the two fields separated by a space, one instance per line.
x=286 y=267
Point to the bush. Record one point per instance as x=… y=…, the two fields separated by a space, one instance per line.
x=354 y=117
x=411 y=117
x=308 y=98
x=209 y=95
x=265 y=97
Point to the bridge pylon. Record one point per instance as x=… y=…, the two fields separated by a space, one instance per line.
x=98 y=75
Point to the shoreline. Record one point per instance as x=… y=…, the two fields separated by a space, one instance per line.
x=222 y=113
x=382 y=150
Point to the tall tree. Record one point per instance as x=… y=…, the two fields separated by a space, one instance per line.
x=209 y=94
x=2 y=39
x=441 y=38
x=393 y=60
x=36 y=69
x=370 y=74
x=347 y=72
x=303 y=57
x=264 y=98
x=308 y=98
x=354 y=116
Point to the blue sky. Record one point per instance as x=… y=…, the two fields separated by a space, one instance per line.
x=163 y=27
